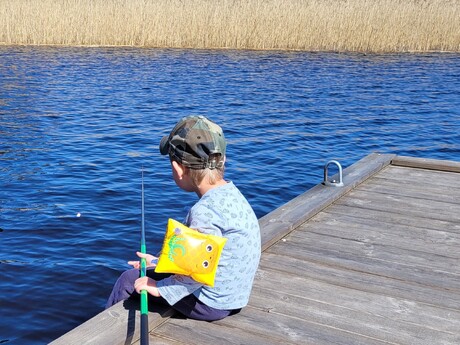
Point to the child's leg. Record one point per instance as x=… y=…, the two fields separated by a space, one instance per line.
x=189 y=306
x=193 y=308
x=124 y=287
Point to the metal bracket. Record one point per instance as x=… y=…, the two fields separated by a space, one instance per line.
x=333 y=183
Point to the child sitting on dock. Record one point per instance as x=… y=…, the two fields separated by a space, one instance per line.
x=196 y=148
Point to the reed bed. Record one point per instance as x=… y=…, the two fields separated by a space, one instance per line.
x=311 y=25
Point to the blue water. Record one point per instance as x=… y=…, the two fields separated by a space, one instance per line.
x=77 y=125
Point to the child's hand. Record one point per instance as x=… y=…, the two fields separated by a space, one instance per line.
x=150 y=260
x=146 y=283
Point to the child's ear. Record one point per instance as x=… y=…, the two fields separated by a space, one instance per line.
x=179 y=169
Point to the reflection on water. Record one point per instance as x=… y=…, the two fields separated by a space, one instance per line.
x=77 y=124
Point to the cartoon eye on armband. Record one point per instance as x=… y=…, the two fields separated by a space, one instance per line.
x=189 y=252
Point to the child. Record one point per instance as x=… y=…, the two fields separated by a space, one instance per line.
x=196 y=148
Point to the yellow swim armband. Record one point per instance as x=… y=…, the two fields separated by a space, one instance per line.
x=189 y=252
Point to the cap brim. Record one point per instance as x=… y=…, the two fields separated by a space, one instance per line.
x=164 y=145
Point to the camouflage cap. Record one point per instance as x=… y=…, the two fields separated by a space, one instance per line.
x=193 y=140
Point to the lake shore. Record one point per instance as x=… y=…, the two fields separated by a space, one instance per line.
x=385 y=26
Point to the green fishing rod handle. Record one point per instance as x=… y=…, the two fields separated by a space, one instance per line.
x=144 y=302
x=143 y=267
x=144 y=299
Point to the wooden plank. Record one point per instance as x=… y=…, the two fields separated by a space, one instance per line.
x=191 y=332
x=373 y=319
x=370 y=230
x=442 y=193
x=384 y=265
x=443 y=227
x=424 y=163
x=117 y=325
x=352 y=287
x=408 y=177
x=259 y=327
x=372 y=259
x=281 y=221
x=156 y=339
x=419 y=209
x=382 y=186
x=416 y=259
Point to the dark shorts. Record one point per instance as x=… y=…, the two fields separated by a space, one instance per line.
x=189 y=306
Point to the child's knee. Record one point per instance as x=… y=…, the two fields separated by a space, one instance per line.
x=129 y=276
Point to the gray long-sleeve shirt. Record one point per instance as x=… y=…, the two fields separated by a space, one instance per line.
x=222 y=211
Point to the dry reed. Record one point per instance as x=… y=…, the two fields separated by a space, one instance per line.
x=312 y=25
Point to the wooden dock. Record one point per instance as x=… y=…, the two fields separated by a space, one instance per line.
x=374 y=262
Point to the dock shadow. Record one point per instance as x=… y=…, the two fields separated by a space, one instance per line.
x=131 y=306
x=158 y=313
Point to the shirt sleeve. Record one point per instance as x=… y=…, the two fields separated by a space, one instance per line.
x=202 y=219
x=176 y=287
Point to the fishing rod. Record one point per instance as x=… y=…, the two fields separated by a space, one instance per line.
x=143 y=267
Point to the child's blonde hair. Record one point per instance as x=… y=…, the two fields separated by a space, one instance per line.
x=212 y=175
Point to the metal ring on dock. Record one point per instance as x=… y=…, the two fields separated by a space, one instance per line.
x=333 y=183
